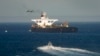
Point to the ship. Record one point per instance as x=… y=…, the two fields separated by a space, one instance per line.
x=46 y=25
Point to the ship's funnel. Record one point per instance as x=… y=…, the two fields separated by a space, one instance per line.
x=43 y=14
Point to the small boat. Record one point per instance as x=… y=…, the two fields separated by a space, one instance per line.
x=49 y=46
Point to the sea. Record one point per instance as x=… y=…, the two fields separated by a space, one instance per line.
x=16 y=39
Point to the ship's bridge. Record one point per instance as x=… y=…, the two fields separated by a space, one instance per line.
x=44 y=21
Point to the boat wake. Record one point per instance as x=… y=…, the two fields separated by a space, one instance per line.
x=60 y=51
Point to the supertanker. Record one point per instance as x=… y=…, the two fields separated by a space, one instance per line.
x=46 y=25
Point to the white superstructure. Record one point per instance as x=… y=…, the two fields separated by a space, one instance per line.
x=44 y=20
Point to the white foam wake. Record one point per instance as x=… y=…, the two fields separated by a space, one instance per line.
x=60 y=51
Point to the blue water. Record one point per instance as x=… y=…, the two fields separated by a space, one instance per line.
x=18 y=41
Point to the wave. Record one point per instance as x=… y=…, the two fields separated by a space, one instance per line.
x=60 y=51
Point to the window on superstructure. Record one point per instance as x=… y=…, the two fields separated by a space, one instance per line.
x=51 y=21
x=48 y=21
x=39 y=21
